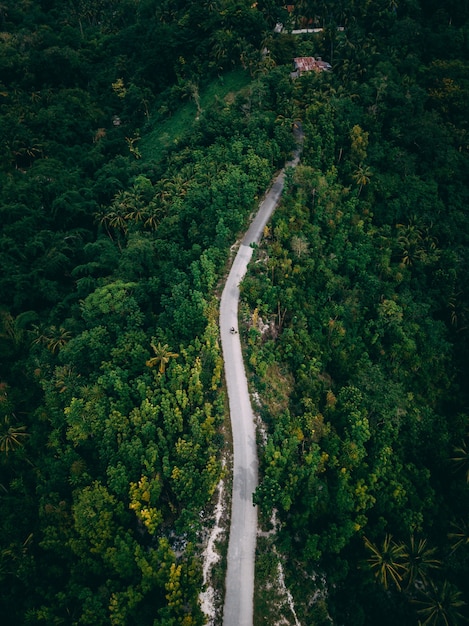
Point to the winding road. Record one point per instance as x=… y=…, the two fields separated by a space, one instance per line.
x=239 y=598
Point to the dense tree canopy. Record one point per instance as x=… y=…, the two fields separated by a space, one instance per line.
x=357 y=285
x=136 y=139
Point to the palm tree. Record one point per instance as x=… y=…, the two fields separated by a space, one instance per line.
x=223 y=42
x=53 y=338
x=362 y=176
x=417 y=244
x=178 y=185
x=11 y=554
x=460 y=536
x=430 y=251
x=418 y=559
x=131 y=141
x=163 y=191
x=15 y=329
x=3 y=12
x=136 y=213
x=126 y=205
x=162 y=356
x=153 y=216
x=461 y=459
x=11 y=436
x=458 y=312
x=103 y=217
x=91 y=393
x=117 y=221
x=387 y=561
x=440 y=606
x=65 y=378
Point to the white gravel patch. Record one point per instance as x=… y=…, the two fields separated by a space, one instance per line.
x=210 y=557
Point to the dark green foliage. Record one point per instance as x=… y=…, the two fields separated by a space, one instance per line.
x=357 y=281
x=112 y=245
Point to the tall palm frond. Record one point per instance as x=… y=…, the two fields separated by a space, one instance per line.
x=460 y=535
x=11 y=435
x=461 y=459
x=162 y=356
x=439 y=606
x=419 y=559
x=387 y=562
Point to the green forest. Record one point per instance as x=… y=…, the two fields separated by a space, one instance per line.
x=137 y=139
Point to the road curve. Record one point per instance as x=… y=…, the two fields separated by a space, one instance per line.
x=239 y=597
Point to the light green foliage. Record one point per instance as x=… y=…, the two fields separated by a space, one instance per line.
x=142 y=495
x=113 y=306
x=359 y=144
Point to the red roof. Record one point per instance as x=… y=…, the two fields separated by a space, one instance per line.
x=310 y=64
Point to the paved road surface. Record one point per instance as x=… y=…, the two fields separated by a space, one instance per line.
x=238 y=609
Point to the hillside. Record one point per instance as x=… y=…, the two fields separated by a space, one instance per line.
x=136 y=139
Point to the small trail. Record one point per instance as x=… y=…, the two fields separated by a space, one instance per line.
x=239 y=596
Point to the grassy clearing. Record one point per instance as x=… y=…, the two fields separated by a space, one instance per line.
x=168 y=131
x=279 y=386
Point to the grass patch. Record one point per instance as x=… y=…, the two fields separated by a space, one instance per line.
x=278 y=387
x=225 y=87
x=167 y=131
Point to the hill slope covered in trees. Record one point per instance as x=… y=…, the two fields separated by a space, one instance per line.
x=116 y=223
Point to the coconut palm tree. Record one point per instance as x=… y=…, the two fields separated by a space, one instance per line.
x=461 y=459
x=162 y=356
x=65 y=378
x=15 y=329
x=52 y=338
x=178 y=185
x=362 y=176
x=439 y=606
x=418 y=558
x=460 y=535
x=11 y=436
x=223 y=42
x=387 y=561
x=103 y=217
x=117 y=221
x=163 y=191
x=153 y=216
x=91 y=393
x=131 y=141
x=458 y=311
x=3 y=12
x=417 y=243
x=136 y=213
